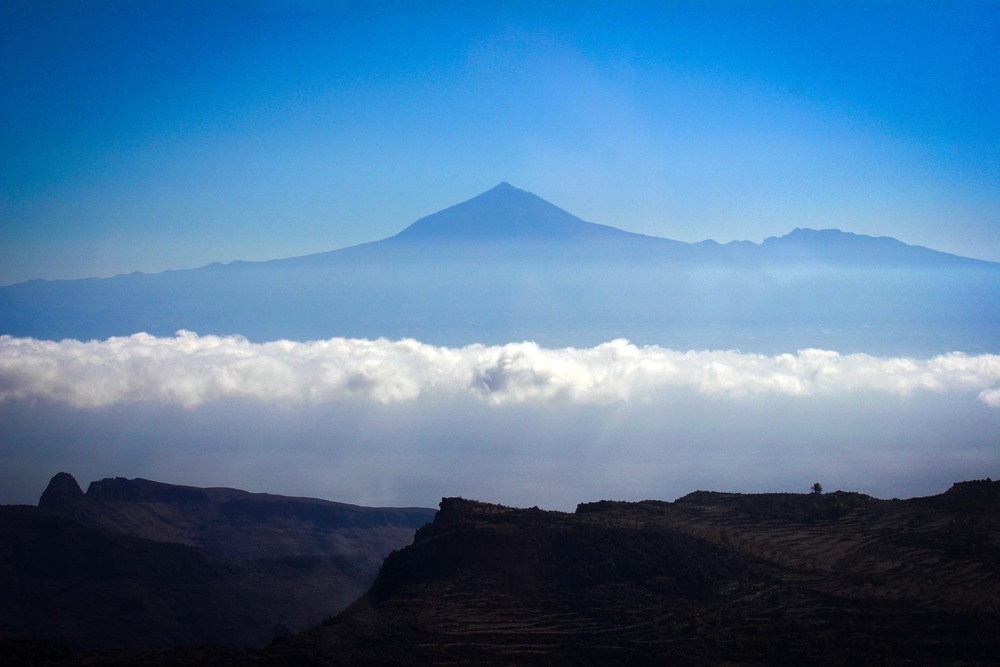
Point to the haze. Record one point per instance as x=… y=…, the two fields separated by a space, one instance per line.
x=554 y=456
x=165 y=135
x=470 y=355
x=385 y=423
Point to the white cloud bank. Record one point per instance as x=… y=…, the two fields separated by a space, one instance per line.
x=191 y=370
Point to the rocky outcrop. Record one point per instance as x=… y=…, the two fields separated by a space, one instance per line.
x=236 y=523
x=713 y=578
x=139 y=563
x=61 y=492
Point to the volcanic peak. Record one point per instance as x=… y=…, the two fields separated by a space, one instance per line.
x=505 y=213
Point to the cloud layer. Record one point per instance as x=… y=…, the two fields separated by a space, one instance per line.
x=191 y=370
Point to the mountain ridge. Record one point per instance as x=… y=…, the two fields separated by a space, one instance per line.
x=212 y=517
x=140 y=563
x=506 y=214
x=711 y=578
x=509 y=218
x=507 y=265
x=838 y=578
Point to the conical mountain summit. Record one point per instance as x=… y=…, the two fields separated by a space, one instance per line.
x=506 y=213
x=508 y=265
x=512 y=223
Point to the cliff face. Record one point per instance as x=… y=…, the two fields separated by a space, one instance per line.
x=237 y=523
x=712 y=578
x=751 y=579
x=139 y=563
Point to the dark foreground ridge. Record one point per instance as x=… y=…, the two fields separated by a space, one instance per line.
x=137 y=563
x=712 y=578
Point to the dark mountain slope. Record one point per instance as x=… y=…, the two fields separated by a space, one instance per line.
x=507 y=265
x=89 y=587
x=143 y=564
x=712 y=578
x=238 y=523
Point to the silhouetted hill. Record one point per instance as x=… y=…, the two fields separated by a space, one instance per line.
x=509 y=224
x=63 y=491
x=143 y=563
x=238 y=523
x=507 y=265
x=712 y=578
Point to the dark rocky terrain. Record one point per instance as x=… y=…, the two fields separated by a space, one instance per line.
x=712 y=578
x=237 y=523
x=709 y=579
x=142 y=564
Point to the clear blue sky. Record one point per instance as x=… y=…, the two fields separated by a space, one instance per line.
x=149 y=135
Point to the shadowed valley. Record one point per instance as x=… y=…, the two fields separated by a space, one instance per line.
x=140 y=563
x=712 y=578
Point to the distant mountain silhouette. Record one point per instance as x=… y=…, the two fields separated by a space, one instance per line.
x=836 y=247
x=502 y=224
x=507 y=265
x=509 y=223
x=138 y=563
x=505 y=213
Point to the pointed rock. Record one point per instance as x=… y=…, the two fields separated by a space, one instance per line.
x=61 y=492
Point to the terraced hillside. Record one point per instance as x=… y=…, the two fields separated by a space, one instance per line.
x=709 y=579
x=712 y=578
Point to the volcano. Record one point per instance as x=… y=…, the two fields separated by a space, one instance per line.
x=508 y=265
x=506 y=213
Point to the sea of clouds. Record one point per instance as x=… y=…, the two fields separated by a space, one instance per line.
x=191 y=370
x=379 y=422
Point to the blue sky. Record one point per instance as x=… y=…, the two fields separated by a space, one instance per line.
x=153 y=135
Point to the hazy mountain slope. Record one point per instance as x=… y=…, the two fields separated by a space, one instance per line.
x=142 y=563
x=507 y=265
x=506 y=213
